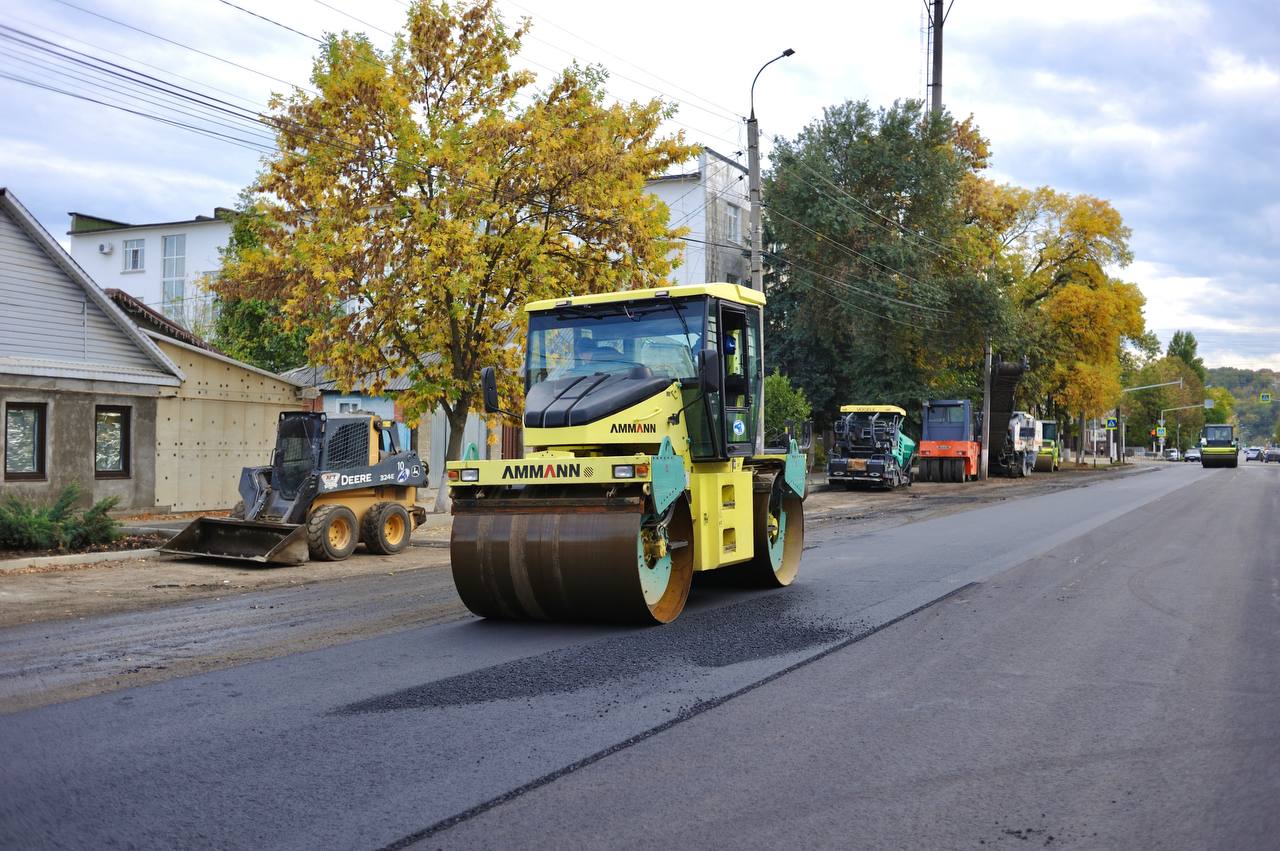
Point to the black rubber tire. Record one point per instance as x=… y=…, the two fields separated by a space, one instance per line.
x=320 y=543
x=374 y=528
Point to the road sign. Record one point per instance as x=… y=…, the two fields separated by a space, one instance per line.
x=1208 y=403
x=1162 y=432
x=1264 y=398
x=1112 y=424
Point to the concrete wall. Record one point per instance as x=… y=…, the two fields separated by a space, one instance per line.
x=702 y=203
x=221 y=420
x=204 y=240
x=69 y=432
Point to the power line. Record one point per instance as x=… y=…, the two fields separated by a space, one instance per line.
x=846 y=249
x=167 y=40
x=270 y=21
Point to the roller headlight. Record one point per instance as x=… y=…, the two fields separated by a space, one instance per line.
x=624 y=471
x=470 y=474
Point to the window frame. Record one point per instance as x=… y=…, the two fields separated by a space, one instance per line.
x=42 y=441
x=173 y=288
x=733 y=217
x=142 y=255
x=126 y=442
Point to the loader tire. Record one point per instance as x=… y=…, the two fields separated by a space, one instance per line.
x=385 y=528
x=332 y=533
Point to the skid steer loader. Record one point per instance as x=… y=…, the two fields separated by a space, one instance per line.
x=645 y=462
x=332 y=482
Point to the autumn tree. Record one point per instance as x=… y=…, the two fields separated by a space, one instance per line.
x=421 y=195
x=1077 y=323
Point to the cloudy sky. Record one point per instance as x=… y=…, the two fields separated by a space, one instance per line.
x=1169 y=109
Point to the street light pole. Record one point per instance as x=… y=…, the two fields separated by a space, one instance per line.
x=753 y=170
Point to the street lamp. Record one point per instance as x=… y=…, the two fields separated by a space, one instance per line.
x=753 y=164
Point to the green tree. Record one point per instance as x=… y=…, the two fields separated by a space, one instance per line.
x=1184 y=345
x=1224 y=405
x=257 y=332
x=252 y=329
x=783 y=404
x=417 y=202
x=877 y=296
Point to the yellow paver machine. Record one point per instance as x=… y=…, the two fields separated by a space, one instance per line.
x=644 y=462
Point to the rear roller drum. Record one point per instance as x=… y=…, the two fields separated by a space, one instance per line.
x=618 y=566
x=779 y=536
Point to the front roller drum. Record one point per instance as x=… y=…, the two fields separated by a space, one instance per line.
x=617 y=566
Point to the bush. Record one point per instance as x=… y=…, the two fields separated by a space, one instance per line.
x=782 y=404
x=24 y=525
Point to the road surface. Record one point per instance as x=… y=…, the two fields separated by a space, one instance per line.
x=1096 y=665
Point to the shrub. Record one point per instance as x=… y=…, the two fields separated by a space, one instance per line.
x=25 y=525
x=782 y=404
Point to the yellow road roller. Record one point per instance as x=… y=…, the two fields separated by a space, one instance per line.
x=644 y=462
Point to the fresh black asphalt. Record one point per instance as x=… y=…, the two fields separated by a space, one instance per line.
x=438 y=733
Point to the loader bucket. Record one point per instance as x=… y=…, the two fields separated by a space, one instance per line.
x=247 y=540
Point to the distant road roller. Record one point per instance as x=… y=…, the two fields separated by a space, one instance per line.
x=1219 y=446
x=644 y=463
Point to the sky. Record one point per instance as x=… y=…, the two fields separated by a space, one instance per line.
x=1170 y=110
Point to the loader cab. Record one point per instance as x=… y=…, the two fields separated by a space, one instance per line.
x=297 y=454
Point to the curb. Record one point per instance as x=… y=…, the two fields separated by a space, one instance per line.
x=10 y=565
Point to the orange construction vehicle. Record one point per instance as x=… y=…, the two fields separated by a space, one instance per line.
x=949 y=445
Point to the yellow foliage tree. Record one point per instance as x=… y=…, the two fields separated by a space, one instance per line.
x=417 y=202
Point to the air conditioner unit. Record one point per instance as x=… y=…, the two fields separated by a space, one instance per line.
x=106 y=247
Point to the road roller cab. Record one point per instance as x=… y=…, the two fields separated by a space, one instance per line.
x=1049 y=456
x=644 y=462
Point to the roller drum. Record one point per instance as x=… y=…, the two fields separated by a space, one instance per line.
x=571 y=565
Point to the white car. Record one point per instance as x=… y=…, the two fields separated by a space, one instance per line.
x=1172 y=455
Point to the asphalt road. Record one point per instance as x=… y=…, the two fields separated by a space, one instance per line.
x=1102 y=669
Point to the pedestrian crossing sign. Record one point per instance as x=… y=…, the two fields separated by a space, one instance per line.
x=1112 y=424
x=1265 y=397
x=1161 y=431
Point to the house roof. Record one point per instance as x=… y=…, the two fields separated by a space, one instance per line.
x=319 y=378
x=82 y=223
x=153 y=320
x=165 y=372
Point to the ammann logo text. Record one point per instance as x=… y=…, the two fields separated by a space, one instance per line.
x=633 y=428
x=541 y=471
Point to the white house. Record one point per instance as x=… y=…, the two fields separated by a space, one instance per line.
x=164 y=265
x=714 y=204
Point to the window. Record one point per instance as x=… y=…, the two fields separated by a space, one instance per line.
x=135 y=251
x=175 y=275
x=24 y=426
x=348 y=407
x=735 y=223
x=111 y=441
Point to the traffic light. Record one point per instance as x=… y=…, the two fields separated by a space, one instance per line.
x=1153 y=432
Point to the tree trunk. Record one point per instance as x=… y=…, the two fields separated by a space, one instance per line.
x=1083 y=435
x=457 y=418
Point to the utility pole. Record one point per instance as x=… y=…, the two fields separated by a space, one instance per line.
x=986 y=411
x=753 y=172
x=937 y=17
